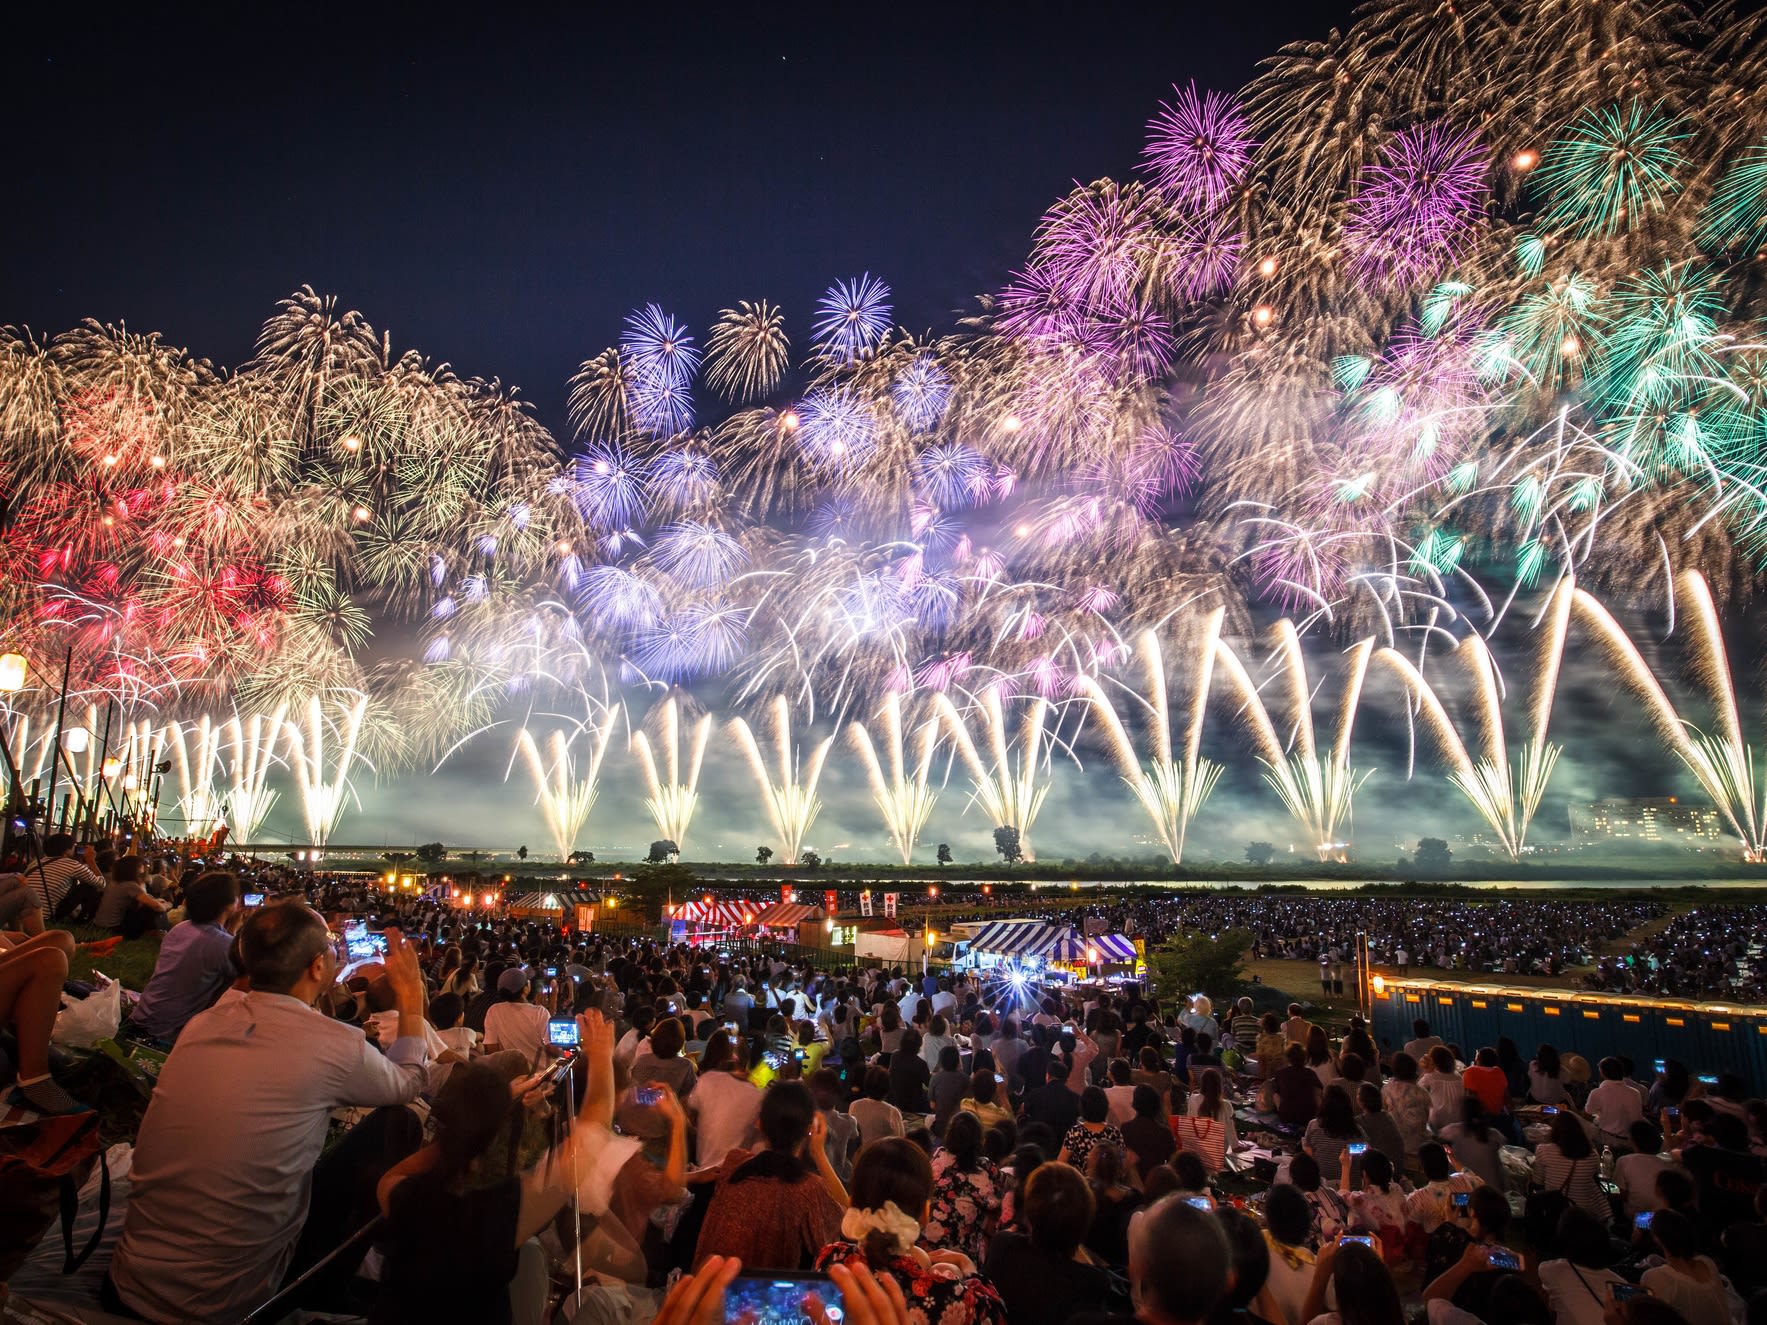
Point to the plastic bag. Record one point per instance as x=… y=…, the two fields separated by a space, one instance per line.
x=83 y=1022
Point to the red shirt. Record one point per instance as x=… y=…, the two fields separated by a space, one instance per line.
x=1489 y=1084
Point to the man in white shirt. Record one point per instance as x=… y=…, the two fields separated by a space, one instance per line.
x=224 y=1165
x=1636 y=1174
x=1614 y=1105
x=725 y=1109
x=516 y=1023
x=738 y=1002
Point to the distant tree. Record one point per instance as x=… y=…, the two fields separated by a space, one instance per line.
x=1432 y=854
x=521 y=853
x=396 y=857
x=580 y=858
x=763 y=855
x=944 y=854
x=1260 y=853
x=809 y=860
x=1199 y=963
x=1006 y=842
x=432 y=853
x=661 y=851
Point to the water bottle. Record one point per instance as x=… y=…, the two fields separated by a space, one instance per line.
x=1607 y=1163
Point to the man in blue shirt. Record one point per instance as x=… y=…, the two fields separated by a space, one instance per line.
x=195 y=963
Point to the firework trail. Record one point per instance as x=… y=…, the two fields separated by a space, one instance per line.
x=1012 y=780
x=196 y=759
x=250 y=798
x=1170 y=790
x=790 y=797
x=324 y=787
x=902 y=791
x=564 y=790
x=673 y=792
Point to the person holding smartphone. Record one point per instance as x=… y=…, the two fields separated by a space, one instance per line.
x=512 y=1022
x=1578 y=1282
x=1365 y=1292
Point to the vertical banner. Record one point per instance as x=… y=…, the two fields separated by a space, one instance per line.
x=890 y=904
x=831 y=901
x=865 y=903
x=785 y=892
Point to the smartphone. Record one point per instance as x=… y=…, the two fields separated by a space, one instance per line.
x=1672 y=1111
x=1200 y=1202
x=1707 y=1081
x=1625 y=1292
x=562 y=1031
x=999 y=1078
x=1462 y=1200
x=253 y=899
x=768 y=1299
x=1661 y=1065
x=365 y=944
x=648 y=1096
x=1502 y=1258
x=731 y=1027
x=1642 y=1218
x=1366 y=1239
x=1357 y=1147
x=1550 y=1110
x=552 y=972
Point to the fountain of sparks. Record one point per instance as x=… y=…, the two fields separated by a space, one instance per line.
x=1171 y=790
x=1011 y=783
x=790 y=798
x=902 y=791
x=672 y=797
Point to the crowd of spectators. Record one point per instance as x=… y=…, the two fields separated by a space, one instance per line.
x=367 y=1108
x=1710 y=952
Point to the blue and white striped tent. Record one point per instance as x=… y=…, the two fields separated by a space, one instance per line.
x=1018 y=939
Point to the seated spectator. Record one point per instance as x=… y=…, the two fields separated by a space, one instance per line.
x=1475 y=1144
x=664 y=1062
x=1205 y=1128
x=1093 y=1129
x=1193 y=1178
x=1486 y=1082
x=1114 y=1201
x=1247 y=1299
x=1635 y=1174
x=127 y=908
x=777 y=1208
x=1152 y=1072
x=1433 y=1204
x=1442 y=1084
x=909 y=1075
x=68 y=885
x=1295 y=1089
x=1725 y=1173
x=1288 y=1229
x=1353 y=1274
x=447 y=1017
x=1332 y=1132
x=224 y=1165
x=1614 y=1106
x=21 y=911
x=1147 y=1136
x=1053 y=1104
x=1119 y=1095
x=1331 y=1211
x=841 y=1131
x=458 y=1209
x=195 y=961
x=725 y=1105
x=1545 y=1083
x=1568 y=1164
x=967 y=1193
x=987 y=1097
x=892 y=1188
x=1382 y=1132
x=1378 y=1205
x=1471 y=1282
x=1044 y=1275
x=1270 y=1046
x=876 y=1116
x=1578 y=1284
x=1687 y=1280
x=946 y=1088
x=32 y=972
x=1407 y=1103
x=514 y=1023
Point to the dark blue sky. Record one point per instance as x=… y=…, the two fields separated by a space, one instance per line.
x=499 y=187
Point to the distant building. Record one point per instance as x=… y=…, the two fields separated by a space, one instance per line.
x=1662 y=819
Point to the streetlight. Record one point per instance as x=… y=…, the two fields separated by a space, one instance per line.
x=75 y=740
x=112 y=766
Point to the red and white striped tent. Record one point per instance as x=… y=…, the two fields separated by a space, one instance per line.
x=715 y=915
x=787 y=915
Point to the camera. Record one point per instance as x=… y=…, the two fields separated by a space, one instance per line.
x=562 y=1031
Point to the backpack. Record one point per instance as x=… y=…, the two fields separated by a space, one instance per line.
x=1443 y=1249
x=53 y=1153
x=1542 y=1212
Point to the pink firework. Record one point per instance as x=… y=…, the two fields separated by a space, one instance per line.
x=1198 y=147
x=1416 y=206
x=1202 y=259
x=1097 y=244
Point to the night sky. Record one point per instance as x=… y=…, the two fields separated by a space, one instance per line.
x=498 y=190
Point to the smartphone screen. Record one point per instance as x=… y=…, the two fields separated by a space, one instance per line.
x=1365 y=1239
x=562 y=1031
x=1550 y=1110
x=1501 y=1258
x=1642 y=1218
x=764 y=1299
x=648 y=1096
x=1624 y=1292
x=1357 y=1147
x=253 y=899
x=551 y=972
x=1462 y=1200
x=1200 y=1202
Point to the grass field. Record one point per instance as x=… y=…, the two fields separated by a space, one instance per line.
x=131 y=961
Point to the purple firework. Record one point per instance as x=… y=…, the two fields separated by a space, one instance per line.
x=921 y=393
x=685 y=477
x=1202 y=259
x=664 y=360
x=1096 y=244
x=951 y=475
x=852 y=317
x=1198 y=147
x=1416 y=206
x=616 y=599
x=1169 y=461
x=1141 y=339
x=1036 y=306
